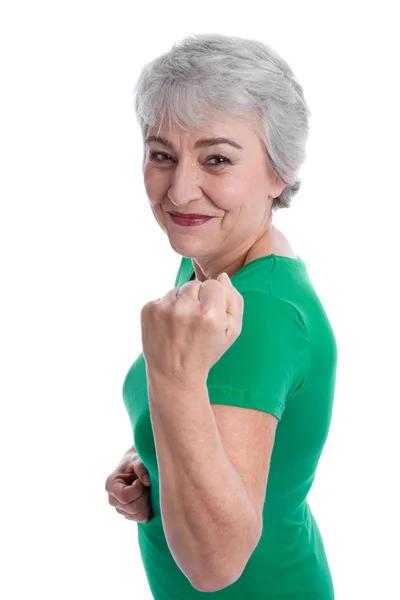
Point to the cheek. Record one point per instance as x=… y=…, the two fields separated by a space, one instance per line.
x=220 y=188
x=247 y=185
x=228 y=192
x=155 y=185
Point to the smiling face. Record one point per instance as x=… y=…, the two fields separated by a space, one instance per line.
x=199 y=172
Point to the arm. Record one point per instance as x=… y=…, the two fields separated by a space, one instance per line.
x=209 y=521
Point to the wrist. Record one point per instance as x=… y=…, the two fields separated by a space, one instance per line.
x=129 y=453
x=185 y=382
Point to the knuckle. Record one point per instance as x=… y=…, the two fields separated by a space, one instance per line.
x=208 y=315
x=146 y=308
x=128 y=494
x=162 y=307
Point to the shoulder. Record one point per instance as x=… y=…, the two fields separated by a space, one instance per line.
x=262 y=309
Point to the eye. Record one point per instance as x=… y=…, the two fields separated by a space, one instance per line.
x=154 y=156
x=163 y=157
x=222 y=160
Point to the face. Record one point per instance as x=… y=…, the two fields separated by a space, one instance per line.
x=228 y=181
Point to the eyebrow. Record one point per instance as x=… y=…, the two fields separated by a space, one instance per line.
x=203 y=143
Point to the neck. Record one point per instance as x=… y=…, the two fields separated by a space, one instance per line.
x=232 y=262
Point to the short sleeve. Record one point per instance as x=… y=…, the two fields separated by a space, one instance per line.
x=269 y=360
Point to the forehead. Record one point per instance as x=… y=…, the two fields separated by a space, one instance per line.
x=240 y=131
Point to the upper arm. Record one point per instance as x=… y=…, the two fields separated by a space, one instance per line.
x=247 y=436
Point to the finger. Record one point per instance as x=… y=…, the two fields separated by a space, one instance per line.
x=225 y=279
x=132 y=508
x=190 y=289
x=124 y=514
x=118 y=478
x=136 y=518
x=126 y=493
x=226 y=301
x=120 y=511
x=143 y=474
x=234 y=300
x=143 y=518
x=213 y=299
x=171 y=295
x=127 y=476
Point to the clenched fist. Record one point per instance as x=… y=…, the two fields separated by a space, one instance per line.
x=186 y=332
x=127 y=488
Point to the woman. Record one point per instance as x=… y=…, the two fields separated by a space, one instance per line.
x=231 y=399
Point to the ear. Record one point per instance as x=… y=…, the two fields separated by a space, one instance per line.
x=277 y=187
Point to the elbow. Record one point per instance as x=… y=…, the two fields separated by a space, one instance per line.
x=213 y=579
x=213 y=584
x=208 y=585
x=219 y=577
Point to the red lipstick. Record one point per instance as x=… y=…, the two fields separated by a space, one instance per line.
x=189 y=220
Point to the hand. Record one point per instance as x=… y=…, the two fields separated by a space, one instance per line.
x=128 y=491
x=185 y=332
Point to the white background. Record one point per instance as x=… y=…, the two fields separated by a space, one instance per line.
x=81 y=253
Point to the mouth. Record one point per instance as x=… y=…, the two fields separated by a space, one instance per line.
x=190 y=215
x=189 y=220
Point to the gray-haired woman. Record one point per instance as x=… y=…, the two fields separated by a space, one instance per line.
x=231 y=399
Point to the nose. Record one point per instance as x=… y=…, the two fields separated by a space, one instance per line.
x=185 y=184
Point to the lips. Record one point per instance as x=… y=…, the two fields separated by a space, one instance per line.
x=190 y=216
x=190 y=220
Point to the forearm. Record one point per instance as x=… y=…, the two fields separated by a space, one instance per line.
x=208 y=518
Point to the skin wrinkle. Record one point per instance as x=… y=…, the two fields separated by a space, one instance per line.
x=238 y=195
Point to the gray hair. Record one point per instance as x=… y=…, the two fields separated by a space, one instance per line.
x=207 y=75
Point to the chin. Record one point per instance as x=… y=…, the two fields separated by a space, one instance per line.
x=186 y=247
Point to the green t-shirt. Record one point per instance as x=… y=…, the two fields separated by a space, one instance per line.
x=283 y=362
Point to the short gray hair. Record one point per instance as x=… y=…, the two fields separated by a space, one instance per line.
x=231 y=75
